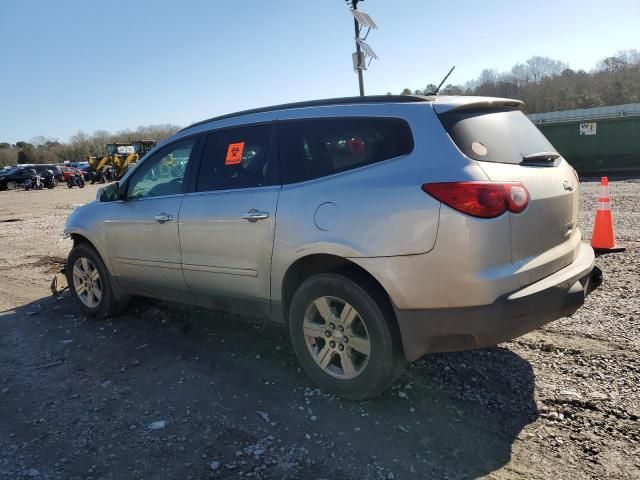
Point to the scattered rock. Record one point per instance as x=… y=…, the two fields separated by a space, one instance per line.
x=571 y=393
x=157 y=425
x=598 y=396
x=263 y=415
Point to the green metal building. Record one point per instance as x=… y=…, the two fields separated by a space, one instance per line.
x=601 y=140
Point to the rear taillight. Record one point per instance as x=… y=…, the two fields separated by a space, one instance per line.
x=480 y=199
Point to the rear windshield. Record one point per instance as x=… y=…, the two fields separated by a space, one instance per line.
x=495 y=135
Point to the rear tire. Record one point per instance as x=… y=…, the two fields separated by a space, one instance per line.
x=12 y=185
x=345 y=340
x=90 y=283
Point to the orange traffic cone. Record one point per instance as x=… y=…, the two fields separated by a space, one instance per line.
x=603 y=239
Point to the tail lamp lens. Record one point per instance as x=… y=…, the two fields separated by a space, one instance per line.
x=480 y=199
x=518 y=198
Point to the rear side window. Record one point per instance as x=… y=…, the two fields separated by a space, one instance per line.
x=316 y=148
x=494 y=135
x=237 y=158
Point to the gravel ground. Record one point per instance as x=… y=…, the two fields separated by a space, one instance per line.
x=172 y=392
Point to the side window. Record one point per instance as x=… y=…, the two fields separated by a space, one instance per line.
x=163 y=173
x=237 y=158
x=315 y=148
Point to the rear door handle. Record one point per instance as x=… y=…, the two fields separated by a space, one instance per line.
x=163 y=217
x=254 y=215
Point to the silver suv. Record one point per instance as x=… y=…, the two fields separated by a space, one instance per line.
x=377 y=229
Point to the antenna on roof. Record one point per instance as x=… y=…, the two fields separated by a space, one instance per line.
x=435 y=92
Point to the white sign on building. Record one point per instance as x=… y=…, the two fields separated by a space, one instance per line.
x=588 y=128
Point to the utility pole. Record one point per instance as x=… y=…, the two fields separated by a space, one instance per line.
x=356 y=26
x=363 y=50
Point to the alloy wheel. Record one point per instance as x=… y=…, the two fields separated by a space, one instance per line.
x=87 y=282
x=336 y=337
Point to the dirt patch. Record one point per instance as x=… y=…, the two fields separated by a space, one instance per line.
x=49 y=263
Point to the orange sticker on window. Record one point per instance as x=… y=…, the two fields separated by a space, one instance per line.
x=234 y=153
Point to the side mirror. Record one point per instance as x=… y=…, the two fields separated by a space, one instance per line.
x=109 y=193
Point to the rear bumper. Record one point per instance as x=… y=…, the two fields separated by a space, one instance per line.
x=512 y=315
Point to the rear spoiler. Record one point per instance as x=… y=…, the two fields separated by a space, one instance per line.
x=452 y=104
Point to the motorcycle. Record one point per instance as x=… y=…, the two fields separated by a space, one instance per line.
x=38 y=182
x=49 y=179
x=108 y=174
x=34 y=182
x=75 y=180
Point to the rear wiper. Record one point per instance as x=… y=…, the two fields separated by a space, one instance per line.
x=540 y=157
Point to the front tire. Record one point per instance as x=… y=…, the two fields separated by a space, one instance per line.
x=12 y=185
x=90 y=283
x=345 y=341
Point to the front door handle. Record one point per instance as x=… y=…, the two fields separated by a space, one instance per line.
x=254 y=215
x=163 y=217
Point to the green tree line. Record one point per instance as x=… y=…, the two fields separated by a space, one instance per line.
x=547 y=85
x=42 y=149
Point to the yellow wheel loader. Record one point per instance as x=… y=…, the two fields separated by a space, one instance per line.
x=119 y=158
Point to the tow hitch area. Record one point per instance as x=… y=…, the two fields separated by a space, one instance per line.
x=595 y=280
x=59 y=282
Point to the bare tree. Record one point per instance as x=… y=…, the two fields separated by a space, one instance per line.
x=488 y=76
x=546 y=84
x=631 y=56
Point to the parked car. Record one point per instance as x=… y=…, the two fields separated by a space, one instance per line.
x=69 y=172
x=15 y=177
x=378 y=229
x=41 y=168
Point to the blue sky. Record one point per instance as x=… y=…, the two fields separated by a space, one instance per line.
x=72 y=65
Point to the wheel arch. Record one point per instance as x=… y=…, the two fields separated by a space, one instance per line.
x=80 y=238
x=314 y=264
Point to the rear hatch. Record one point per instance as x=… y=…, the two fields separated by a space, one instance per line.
x=508 y=147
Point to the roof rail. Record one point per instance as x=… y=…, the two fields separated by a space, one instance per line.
x=321 y=103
